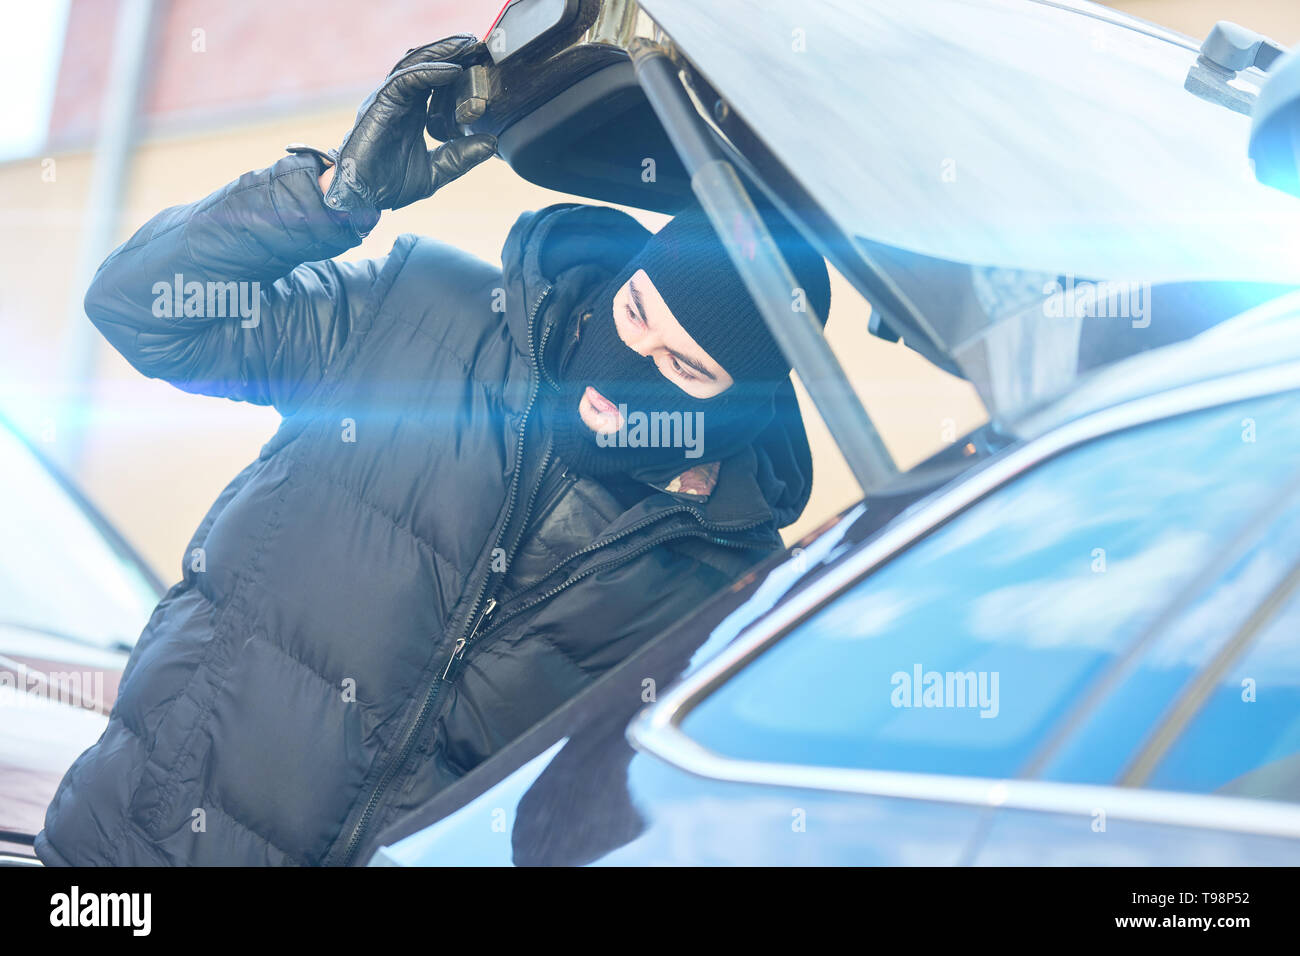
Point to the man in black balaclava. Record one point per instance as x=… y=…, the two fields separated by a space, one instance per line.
x=469 y=512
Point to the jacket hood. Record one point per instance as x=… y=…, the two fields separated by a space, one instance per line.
x=772 y=479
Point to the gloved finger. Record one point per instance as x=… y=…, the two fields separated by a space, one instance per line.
x=411 y=88
x=419 y=80
x=441 y=121
x=457 y=157
x=452 y=48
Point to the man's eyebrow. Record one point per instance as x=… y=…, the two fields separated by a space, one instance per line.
x=695 y=365
x=636 y=297
x=685 y=360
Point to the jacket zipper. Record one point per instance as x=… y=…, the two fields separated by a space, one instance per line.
x=432 y=693
x=541 y=354
x=519 y=458
x=459 y=652
x=532 y=500
x=458 y=649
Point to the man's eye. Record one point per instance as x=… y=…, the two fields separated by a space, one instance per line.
x=681 y=370
x=633 y=317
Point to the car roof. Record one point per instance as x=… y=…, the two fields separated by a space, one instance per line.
x=1260 y=342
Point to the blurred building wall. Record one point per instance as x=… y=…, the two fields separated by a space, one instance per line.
x=227 y=99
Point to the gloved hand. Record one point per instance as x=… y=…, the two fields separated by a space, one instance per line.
x=384 y=162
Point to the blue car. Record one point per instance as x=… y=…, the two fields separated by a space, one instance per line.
x=1073 y=635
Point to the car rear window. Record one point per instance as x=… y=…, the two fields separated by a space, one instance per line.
x=960 y=654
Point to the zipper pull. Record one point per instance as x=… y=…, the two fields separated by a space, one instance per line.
x=458 y=649
x=487 y=611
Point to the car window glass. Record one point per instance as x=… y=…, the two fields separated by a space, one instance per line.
x=958 y=655
x=1245 y=739
x=1106 y=734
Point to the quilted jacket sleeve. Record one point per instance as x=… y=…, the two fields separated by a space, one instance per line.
x=233 y=295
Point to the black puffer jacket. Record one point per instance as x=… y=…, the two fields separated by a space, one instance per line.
x=308 y=680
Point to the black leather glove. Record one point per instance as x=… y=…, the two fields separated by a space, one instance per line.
x=384 y=162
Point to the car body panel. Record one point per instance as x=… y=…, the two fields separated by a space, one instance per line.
x=548 y=814
x=1024 y=838
x=40 y=737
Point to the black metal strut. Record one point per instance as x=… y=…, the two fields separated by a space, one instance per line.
x=761 y=266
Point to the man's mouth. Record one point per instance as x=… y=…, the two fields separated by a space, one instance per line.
x=602 y=404
x=598 y=413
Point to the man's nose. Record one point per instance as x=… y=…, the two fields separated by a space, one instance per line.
x=646 y=343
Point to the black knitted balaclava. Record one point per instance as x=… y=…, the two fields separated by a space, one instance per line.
x=694 y=276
